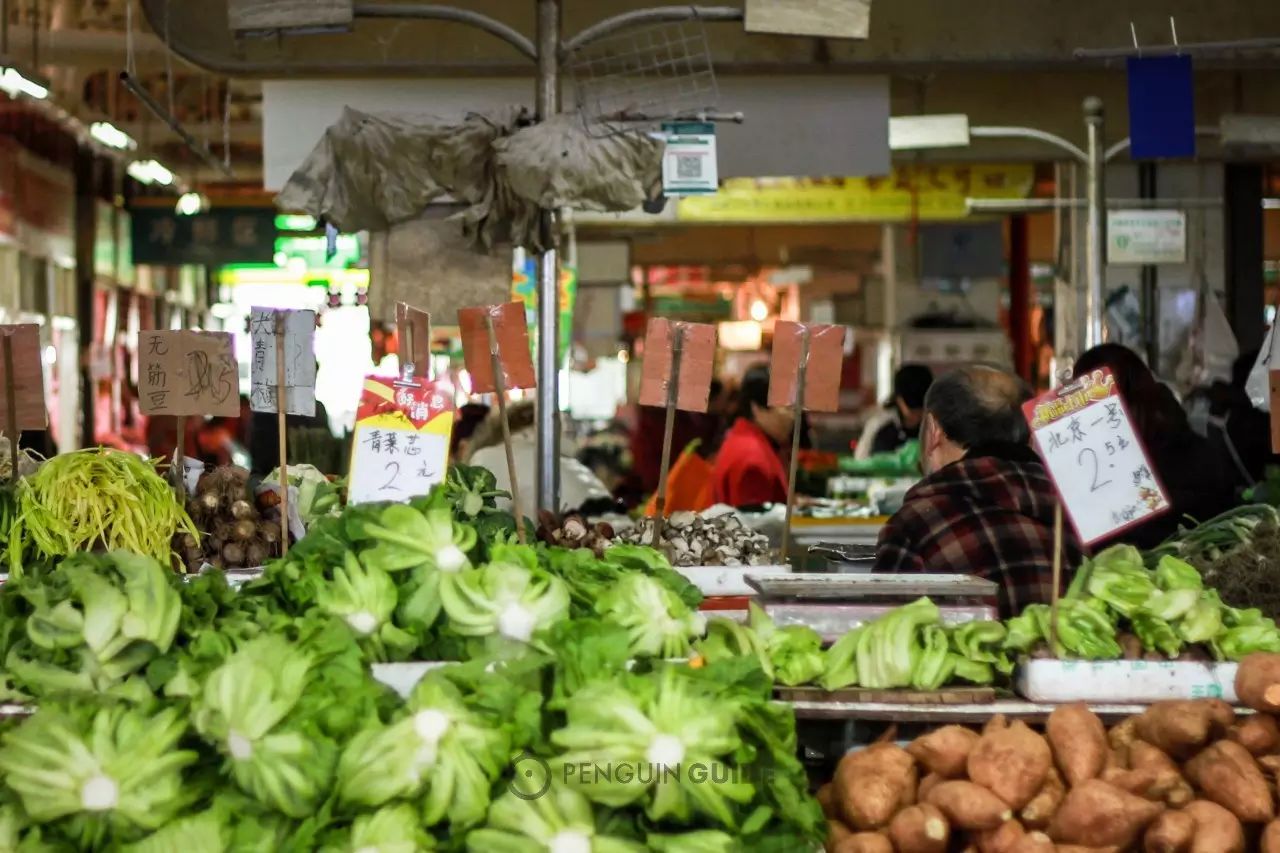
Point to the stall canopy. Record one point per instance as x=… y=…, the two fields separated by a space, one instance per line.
x=373 y=171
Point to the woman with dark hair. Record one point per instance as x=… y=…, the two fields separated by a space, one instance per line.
x=1187 y=467
x=748 y=469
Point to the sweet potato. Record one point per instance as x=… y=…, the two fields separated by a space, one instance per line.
x=1034 y=842
x=864 y=842
x=1123 y=733
x=944 y=751
x=909 y=788
x=1217 y=830
x=920 y=829
x=1037 y=813
x=1169 y=785
x=1081 y=848
x=870 y=785
x=1003 y=839
x=996 y=723
x=1257 y=733
x=1258 y=682
x=926 y=785
x=836 y=832
x=1011 y=762
x=1140 y=782
x=1270 y=764
x=1270 y=842
x=1079 y=742
x=968 y=806
x=1172 y=832
x=1228 y=775
x=1178 y=727
x=825 y=795
x=1096 y=814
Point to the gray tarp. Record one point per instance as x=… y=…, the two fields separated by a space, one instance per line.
x=373 y=171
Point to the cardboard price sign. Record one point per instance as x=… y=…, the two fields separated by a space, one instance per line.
x=822 y=369
x=23 y=393
x=413 y=333
x=188 y=373
x=512 y=338
x=1101 y=471
x=697 y=364
x=299 y=361
x=401 y=443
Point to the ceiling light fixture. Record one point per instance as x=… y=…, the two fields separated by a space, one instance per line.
x=15 y=83
x=189 y=204
x=111 y=136
x=149 y=172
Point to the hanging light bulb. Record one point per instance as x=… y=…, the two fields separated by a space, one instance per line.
x=189 y=204
x=759 y=310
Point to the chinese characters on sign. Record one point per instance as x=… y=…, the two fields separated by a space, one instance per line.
x=28 y=378
x=187 y=373
x=1088 y=443
x=299 y=365
x=401 y=443
x=215 y=237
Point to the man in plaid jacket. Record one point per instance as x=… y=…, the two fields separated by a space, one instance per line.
x=985 y=506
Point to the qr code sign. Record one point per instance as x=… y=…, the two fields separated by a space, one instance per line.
x=688 y=166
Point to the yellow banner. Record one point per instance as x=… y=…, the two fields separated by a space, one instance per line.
x=909 y=193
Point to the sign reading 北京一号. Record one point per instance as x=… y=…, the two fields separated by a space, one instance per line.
x=1091 y=450
x=299 y=329
x=187 y=373
x=401 y=444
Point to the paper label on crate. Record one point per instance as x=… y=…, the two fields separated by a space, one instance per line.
x=1098 y=465
x=400 y=448
x=299 y=361
x=187 y=373
x=28 y=378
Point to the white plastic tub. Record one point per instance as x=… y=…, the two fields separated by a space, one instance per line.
x=1120 y=681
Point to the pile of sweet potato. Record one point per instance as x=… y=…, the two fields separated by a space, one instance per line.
x=1183 y=777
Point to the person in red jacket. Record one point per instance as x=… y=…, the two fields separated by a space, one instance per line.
x=748 y=470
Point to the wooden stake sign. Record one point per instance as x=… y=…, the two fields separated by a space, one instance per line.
x=679 y=360
x=495 y=346
x=804 y=374
x=413 y=334
x=22 y=385
x=283 y=381
x=183 y=373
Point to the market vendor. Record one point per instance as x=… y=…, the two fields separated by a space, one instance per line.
x=985 y=506
x=749 y=471
x=899 y=421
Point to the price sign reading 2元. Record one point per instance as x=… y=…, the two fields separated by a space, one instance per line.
x=1102 y=473
x=400 y=449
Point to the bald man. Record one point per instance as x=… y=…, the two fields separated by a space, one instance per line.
x=985 y=506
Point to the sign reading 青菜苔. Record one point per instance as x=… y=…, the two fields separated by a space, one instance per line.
x=1093 y=454
x=401 y=443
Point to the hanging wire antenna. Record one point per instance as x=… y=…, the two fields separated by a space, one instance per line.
x=1173 y=30
x=168 y=60
x=1133 y=31
x=130 y=65
x=226 y=125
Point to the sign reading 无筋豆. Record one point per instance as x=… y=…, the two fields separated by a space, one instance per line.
x=401 y=443
x=187 y=373
x=1092 y=452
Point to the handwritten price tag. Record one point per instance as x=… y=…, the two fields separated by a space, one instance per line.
x=187 y=373
x=299 y=364
x=28 y=378
x=1102 y=473
x=401 y=443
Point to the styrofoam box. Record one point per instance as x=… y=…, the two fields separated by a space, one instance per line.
x=1125 y=681
x=727 y=580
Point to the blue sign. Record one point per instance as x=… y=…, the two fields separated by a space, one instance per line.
x=1162 y=116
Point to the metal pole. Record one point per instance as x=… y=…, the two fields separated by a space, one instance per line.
x=1095 y=223
x=548 y=104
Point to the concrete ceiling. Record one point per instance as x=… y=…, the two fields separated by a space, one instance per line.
x=1000 y=61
